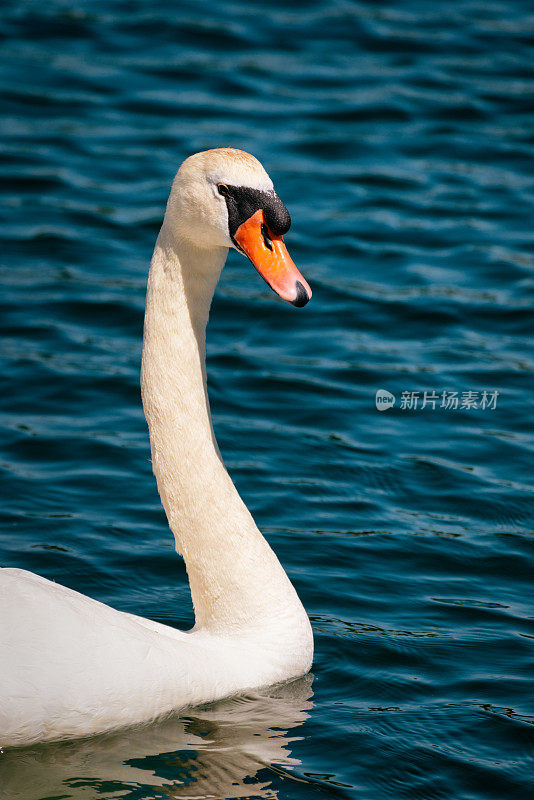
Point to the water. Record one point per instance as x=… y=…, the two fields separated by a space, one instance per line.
x=400 y=135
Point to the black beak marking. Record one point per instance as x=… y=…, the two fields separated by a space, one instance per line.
x=242 y=202
x=302 y=296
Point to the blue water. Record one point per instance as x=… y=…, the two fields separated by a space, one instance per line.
x=401 y=137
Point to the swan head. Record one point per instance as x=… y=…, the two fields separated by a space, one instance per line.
x=224 y=198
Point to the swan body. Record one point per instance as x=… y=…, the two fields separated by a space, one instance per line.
x=71 y=666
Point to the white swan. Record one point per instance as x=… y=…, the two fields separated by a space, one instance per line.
x=71 y=666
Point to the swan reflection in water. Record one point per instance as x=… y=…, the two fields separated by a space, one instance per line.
x=213 y=751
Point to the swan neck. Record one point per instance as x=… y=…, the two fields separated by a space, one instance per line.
x=235 y=578
x=190 y=274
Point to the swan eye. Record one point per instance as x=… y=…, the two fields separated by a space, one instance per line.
x=223 y=189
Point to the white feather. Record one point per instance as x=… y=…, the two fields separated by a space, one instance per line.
x=71 y=666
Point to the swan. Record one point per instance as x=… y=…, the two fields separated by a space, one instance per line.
x=71 y=666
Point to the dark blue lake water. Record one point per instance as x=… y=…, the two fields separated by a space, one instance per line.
x=401 y=136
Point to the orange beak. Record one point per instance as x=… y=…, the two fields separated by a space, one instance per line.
x=269 y=255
